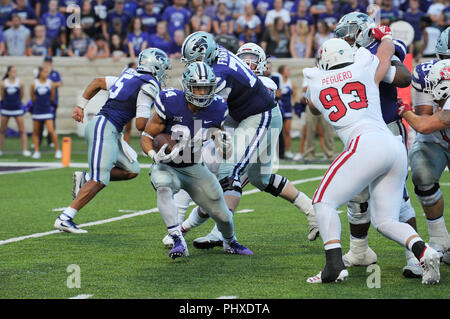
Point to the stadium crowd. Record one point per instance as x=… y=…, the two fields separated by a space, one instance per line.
x=117 y=28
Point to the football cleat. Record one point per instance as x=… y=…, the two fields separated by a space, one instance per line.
x=236 y=249
x=209 y=241
x=68 y=226
x=58 y=154
x=368 y=258
x=412 y=268
x=79 y=179
x=429 y=261
x=180 y=248
x=168 y=241
x=360 y=253
x=317 y=279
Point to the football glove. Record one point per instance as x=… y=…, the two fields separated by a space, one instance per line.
x=403 y=107
x=161 y=156
x=381 y=32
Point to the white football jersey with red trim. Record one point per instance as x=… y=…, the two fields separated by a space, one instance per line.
x=348 y=97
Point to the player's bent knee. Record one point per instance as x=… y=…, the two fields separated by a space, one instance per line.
x=276 y=184
x=428 y=195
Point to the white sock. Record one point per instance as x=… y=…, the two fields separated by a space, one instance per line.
x=438 y=232
x=166 y=206
x=68 y=213
x=359 y=245
x=303 y=202
x=182 y=200
x=194 y=220
x=332 y=246
x=329 y=223
x=175 y=231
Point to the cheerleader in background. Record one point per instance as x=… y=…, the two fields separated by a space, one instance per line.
x=12 y=90
x=42 y=92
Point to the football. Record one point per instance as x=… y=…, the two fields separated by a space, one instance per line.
x=161 y=139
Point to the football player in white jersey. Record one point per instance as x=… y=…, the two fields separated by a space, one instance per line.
x=430 y=153
x=354 y=28
x=344 y=88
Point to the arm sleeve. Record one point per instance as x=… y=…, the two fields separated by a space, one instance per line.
x=143 y=105
x=421 y=98
x=160 y=109
x=110 y=80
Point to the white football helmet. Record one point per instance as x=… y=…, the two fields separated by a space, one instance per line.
x=254 y=56
x=334 y=52
x=437 y=82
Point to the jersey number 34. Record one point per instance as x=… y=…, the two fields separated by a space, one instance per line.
x=330 y=97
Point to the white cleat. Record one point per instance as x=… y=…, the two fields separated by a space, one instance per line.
x=412 y=268
x=209 y=241
x=288 y=155
x=364 y=259
x=168 y=241
x=79 y=179
x=68 y=226
x=430 y=265
x=26 y=153
x=317 y=279
x=58 y=154
x=36 y=155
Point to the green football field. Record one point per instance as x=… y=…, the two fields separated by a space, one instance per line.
x=122 y=255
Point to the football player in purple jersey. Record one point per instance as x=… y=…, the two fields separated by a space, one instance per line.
x=110 y=157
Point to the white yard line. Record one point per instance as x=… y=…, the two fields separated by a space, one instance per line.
x=81 y=297
x=138 y=213
x=227 y=297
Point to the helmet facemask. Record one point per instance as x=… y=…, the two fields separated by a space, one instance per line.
x=252 y=60
x=199 y=84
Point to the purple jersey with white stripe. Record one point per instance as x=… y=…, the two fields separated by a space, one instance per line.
x=248 y=95
x=42 y=106
x=120 y=108
x=12 y=95
x=420 y=73
x=388 y=92
x=172 y=108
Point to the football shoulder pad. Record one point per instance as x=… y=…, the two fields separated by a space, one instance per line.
x=419 y=74
x=151 y=89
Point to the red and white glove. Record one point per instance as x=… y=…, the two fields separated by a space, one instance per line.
x=381 y=32
x=403 y=107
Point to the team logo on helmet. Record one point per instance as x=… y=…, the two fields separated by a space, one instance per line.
x=200 y=46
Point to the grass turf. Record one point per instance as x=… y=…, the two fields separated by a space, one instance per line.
x=126 y=259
